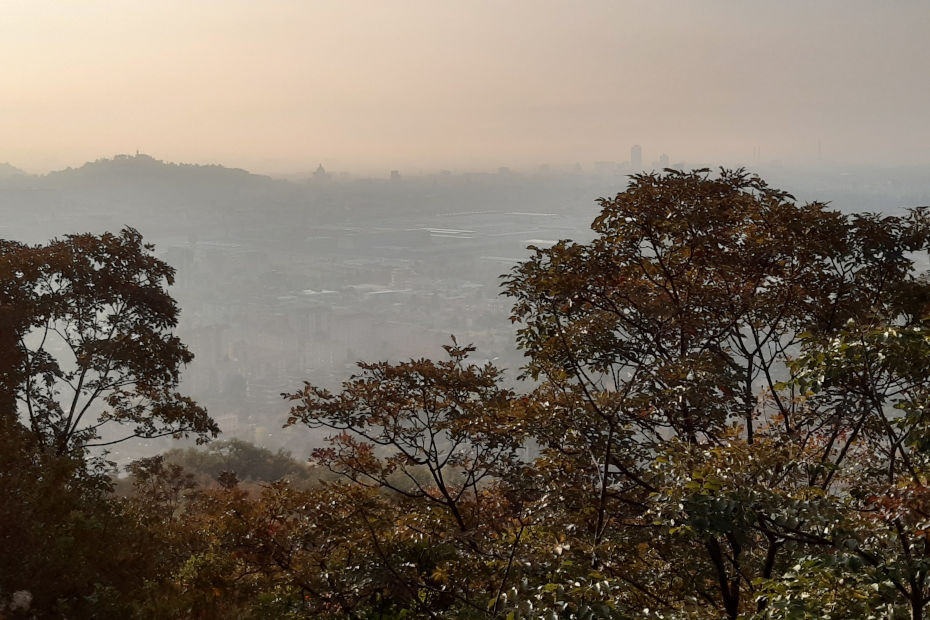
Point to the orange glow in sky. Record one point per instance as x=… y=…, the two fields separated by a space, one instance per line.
x=282 y=85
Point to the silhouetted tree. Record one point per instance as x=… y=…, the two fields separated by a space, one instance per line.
x=88 y=342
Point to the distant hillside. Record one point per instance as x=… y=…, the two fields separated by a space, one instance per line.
x=142 y=169
x=7 y=171
x=184 y=201
x=159 y=198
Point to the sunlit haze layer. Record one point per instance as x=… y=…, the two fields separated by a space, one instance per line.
x=365 y=87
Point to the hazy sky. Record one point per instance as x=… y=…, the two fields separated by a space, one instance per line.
x=278 y=86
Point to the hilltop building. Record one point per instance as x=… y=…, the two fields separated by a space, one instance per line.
x=320 y=174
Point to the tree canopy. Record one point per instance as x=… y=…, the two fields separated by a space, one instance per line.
x=88 y=342
x=676 y=351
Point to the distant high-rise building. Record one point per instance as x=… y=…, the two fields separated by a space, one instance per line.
x=395 y=175
x=636 y=157
x=663 y=161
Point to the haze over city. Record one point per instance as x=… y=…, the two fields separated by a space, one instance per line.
x=363 y=87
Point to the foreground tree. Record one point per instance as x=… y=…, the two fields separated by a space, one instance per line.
x=663 y=349
x=88 y=343
x=63 y=538
x=440 y=441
